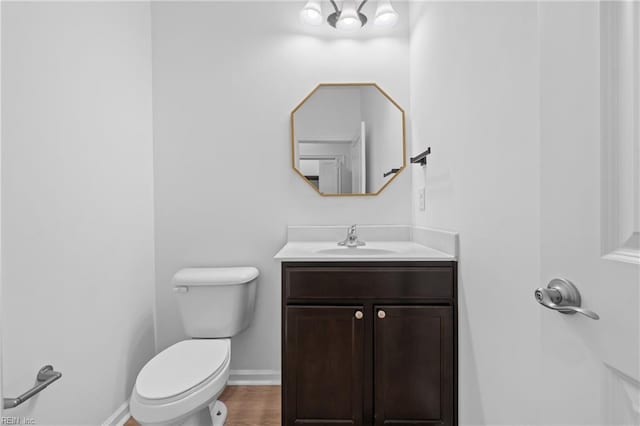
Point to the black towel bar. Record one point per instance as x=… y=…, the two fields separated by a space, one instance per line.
x=390 y=172
x=421 y=158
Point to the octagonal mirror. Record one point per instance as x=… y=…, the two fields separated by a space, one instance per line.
x=348 y=139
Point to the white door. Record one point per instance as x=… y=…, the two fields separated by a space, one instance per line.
x=357 y=184
x=329 y=177
x=589 y=369
x=359 y=162
x=363 y=157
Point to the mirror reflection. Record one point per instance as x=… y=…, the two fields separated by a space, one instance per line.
x=348 y=139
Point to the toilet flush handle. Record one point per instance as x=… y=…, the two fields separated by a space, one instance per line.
x=181 y=289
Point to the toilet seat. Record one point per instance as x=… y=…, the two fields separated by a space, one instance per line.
x=180 y=380
x=181 y=367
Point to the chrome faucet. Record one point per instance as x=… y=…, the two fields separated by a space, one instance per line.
x=352 y=238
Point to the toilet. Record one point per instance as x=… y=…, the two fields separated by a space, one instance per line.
x=181 y=385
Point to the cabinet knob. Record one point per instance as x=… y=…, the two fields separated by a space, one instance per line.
x=359 y=314
x=381 y=314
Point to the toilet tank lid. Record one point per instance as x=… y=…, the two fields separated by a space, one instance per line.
x=215 y=276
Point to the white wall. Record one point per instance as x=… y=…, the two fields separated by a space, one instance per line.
x=224 y=188
x=1 y=300
x=383 y=136
x=77 y=204
x=330 y=113
x=474 y=100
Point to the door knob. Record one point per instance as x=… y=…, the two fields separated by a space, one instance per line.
x=562 y=296
x=381 y=314
x=359 y=315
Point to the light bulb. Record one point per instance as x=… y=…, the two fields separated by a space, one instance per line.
x=386 y=16
x=311 y=13
x=349 y=19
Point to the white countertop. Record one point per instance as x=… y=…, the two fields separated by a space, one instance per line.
x=329 y=251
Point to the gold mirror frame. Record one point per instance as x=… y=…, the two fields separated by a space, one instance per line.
x=293 y=140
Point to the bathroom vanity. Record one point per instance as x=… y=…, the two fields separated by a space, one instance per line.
x=369 y=342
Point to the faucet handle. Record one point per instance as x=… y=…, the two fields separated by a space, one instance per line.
x=352 y=238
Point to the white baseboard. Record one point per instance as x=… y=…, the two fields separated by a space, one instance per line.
x=254 y=377
x=119 y=417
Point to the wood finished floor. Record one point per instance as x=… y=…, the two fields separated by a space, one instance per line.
x=248 y=406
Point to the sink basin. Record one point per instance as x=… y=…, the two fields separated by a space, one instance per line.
x=374 y=251
x=355 y=251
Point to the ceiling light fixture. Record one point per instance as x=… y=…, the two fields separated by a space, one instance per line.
x=311 y=13
x=350 y=17
x=386 y=16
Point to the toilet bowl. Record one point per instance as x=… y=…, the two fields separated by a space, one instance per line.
x=181 y=385
x=181 y=380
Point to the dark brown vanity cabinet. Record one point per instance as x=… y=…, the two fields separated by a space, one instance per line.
x=369 y=343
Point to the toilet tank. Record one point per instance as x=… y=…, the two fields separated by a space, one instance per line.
x=216 y=302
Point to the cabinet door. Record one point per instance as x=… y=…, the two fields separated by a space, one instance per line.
x=323 y=369
x=413 y=365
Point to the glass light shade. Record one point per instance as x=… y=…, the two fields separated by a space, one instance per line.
x=349 y=19
x=386 y=16
x=311 y=13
